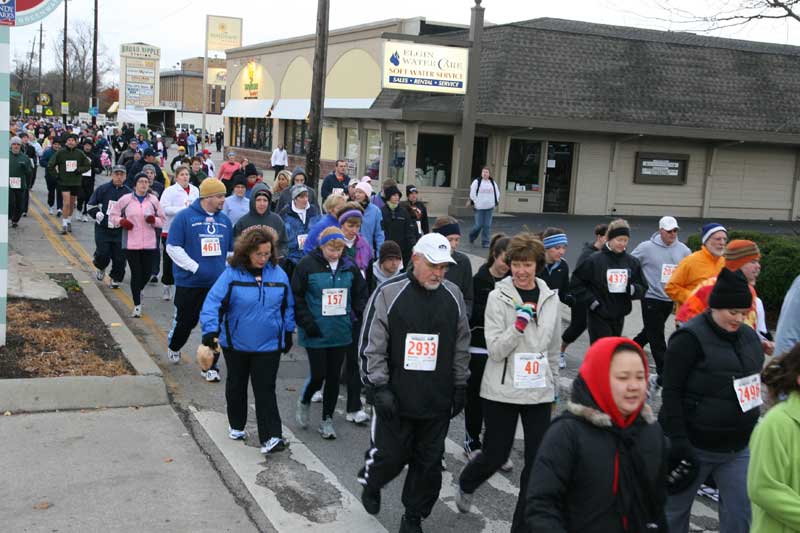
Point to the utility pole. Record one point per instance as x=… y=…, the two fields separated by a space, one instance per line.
x=202 y=139
x=41 y=46
x=26 y=74
x=64 y=73
x=94 y=103
x=317 y=93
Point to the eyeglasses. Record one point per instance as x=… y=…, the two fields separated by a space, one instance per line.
x=262 y=256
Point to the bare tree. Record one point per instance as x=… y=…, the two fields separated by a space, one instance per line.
x=726 y=14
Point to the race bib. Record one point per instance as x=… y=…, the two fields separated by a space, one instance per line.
x=617 y=279
x=530 y=370
x=301 y=240
x=15 y=183
x=334 y=302
x=421 y=351
x=72 y=166
x=210 y=246
x=748 y=392
x=111 y=203
x=419 y=227
x=338 y=191
x=666 y=272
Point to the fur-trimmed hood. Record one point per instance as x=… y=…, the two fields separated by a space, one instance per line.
x=598 y=418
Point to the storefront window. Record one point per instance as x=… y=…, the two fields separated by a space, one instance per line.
x=434 y=160
x=397 y=161
x=351 y=151
x=374 y=154
x=524 y=161
x=295 y=137
x=254 y=133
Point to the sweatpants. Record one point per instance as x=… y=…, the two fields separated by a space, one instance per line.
x=107 y=251
x=498 y=440
x=188 y=303
x=166 y=264
x=31 y=181
x=729 y=471
x=87 y=188
x=473 y=410
x=654 y=316
x=261 y=369
x=353 y=376
x=418 y=443
x=324 y=364
x=16 y=201
x=54 y=198
x=600 y=327
x=577 y=323
x=139 y=262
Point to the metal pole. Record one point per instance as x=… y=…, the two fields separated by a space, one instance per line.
x=94 y=102
x=64 y=76
x=471 y=97
x=5 y=69
x=205 y=88
x=41 y=46
x=317 y=94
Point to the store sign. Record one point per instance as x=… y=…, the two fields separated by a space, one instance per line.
x=139 y=76
x=661 y=168
x=223 y=33
x=24 y=12
x=142 y=51
x=250 y=86
x=422 y=67
x=217 y=76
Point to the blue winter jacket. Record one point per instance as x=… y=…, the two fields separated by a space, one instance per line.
x=313 y=233
x=295 y=228
x=256 y=315
x=187 y=230
x=371 y=227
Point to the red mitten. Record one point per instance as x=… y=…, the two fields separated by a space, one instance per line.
x=150 y=219
x=125 y=223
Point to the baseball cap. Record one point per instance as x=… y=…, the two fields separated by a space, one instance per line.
x=181 y=149
x=435 y=248
x=668 y=223
x=119 y=168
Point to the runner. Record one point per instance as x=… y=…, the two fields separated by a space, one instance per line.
x=397 y=223
x=55 y=201
x=87 y=180
x=371 y=228
x=69 y=164
x=251 y=288
x=335 y=181
x=787 y=334
x=260 y=215
x=140 y=216
x=417 y=208
x=176 y=198
x=459 y=273
x=237 y=204
x=556 y=271
x=331 y=206
x=107 y=235
x=298 y=178
x=19 y=175
x=200 y=237
x=388 y=265
x=699 y=266
x=330 y=294
x=297 y=218
x=523 y=332
x=413 y=352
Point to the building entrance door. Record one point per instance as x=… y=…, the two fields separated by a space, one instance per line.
x=558 y=177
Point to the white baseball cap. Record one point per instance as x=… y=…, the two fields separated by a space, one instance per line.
x=668 y=223
x=435 y=248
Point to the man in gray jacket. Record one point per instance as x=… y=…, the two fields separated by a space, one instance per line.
x=659 y=257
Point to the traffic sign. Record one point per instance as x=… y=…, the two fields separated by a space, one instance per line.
x=49 y=112
x=39 y=109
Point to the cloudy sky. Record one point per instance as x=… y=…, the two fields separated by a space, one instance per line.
x=177 y=25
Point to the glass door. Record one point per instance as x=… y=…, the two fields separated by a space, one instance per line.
x=558 y=177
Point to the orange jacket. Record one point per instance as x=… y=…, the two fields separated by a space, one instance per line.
x=697 y=302
x=691 y=272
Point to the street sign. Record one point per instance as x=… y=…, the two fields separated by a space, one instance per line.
x=39 y=109
x=93 y=111
x=65 y=108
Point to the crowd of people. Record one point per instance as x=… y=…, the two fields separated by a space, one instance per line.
x=384 y=302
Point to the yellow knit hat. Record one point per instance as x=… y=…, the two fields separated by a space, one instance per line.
x=211 y=187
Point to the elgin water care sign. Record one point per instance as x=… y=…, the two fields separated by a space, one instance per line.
x=422 y=67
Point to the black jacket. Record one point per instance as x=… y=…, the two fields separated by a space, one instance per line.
x=399 y=227
x=482 y=284
x=330 y=183
x=461 y=275
x=423 y=211
x=587 y=250
x=570 y=490
x=699 y=400
x=590 y=284
x=557 y=278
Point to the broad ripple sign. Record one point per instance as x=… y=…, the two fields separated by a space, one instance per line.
x=24 y=12
x=423 y=67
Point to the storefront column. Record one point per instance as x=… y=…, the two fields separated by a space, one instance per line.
x=796 y=193
x=412 y=135
x=277 y=133
x=708 y=179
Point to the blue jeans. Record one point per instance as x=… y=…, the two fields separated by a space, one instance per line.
x=730 y=473
x=483 y=222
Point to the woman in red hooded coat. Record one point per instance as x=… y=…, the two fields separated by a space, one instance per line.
x=602 y=465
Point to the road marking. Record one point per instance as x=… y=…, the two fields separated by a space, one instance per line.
x=248 y=463
x=497 y=481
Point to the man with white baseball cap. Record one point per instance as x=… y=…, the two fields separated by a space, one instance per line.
x=414 y=361
x=659 y=257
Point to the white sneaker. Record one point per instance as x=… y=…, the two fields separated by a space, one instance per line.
x=237 y=434
x=273 y=445
x=59 y=212
x=211 y=375
x=114 y=284
x=166 y=293
x=317 y=397
x=508 y=466
x=358 y=417
x=99 y=275
x=562 y=361
x=52 y=210
x=137 y=311
x=174 y=357
x=653 y=387
x=84 y=218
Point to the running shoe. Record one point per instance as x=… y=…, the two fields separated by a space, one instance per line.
x=562 y=361
x=410 y=524
x=58 y=213
x=99 y=275
x=154 y=279
x=211 y=375
x=84 y=218
x=326 y=429
x=653 y=387
x=371 y=500
x=114 y=284
x=52 y=210
x=237 y=434
x=69 y=227
x=317 y=397
x=25 y=214
x=273 y=445
x=137 y=311
x=64 y=229
x=508 y=466
x=174 y=357
x=166 y=293
x=358 y=417
x=14 y=224
x=463 y=500
x=302 y=414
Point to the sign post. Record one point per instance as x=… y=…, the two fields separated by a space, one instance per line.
x=222 y=33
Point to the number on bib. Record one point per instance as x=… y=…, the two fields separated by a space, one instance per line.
x=421 y=352
x=15 y=183
x=334 y=302
x=210 y=247
x=666 y=272
x=748 y=392
x=301 y=240
x=72 y=166
x=617 y=279
x=530 y=370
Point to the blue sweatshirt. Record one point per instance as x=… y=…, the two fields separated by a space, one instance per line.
x=236 y=207
x=191 y=229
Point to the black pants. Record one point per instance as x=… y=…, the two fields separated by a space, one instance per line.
x=353 y=376
x=324 y=364
x=166 y=264
x=109 y=251
x=156 y=266
x=577 y=323
x=87 y=188
x=139 y=262
x=261 y=369
x=654 y=316
x=278 y=168
x=30 y=181
x=473 y=410
x=188 y=303
x=16 y=201
x=501 y=425
x=418 y=443
x=600 y=327
x=54 y=197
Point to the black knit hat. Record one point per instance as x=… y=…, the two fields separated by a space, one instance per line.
x=390 y=191
x=390 y=249
x=731 y=291
x=250 y=170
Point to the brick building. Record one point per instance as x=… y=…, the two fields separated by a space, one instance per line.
x=182 y=89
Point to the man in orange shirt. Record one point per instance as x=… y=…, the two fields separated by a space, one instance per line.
x=700 y=266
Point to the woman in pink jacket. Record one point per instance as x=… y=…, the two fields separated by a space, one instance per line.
x=140 y=216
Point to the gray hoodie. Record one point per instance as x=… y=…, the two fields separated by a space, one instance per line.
x=267 y=219
x=654 y=255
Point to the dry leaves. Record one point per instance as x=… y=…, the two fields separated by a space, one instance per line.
x=41 y=506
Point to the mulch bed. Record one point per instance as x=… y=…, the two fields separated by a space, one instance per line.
x=59 y=338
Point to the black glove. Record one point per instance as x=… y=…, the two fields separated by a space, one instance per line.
x=383 y=400
x=210 y=340
x=313 y=331
x=459 y=401
x=288 y=342
x=682 y=465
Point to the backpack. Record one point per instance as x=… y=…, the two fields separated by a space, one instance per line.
x=494 y=187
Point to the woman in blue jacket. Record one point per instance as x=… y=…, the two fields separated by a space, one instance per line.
x=250 y=309
x=330 y=295
x=371 y=227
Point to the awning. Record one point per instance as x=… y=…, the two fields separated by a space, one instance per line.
x=292 y=108
x=247 y=108
x=348 y=103
x=113 y=108
x=133 y=116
